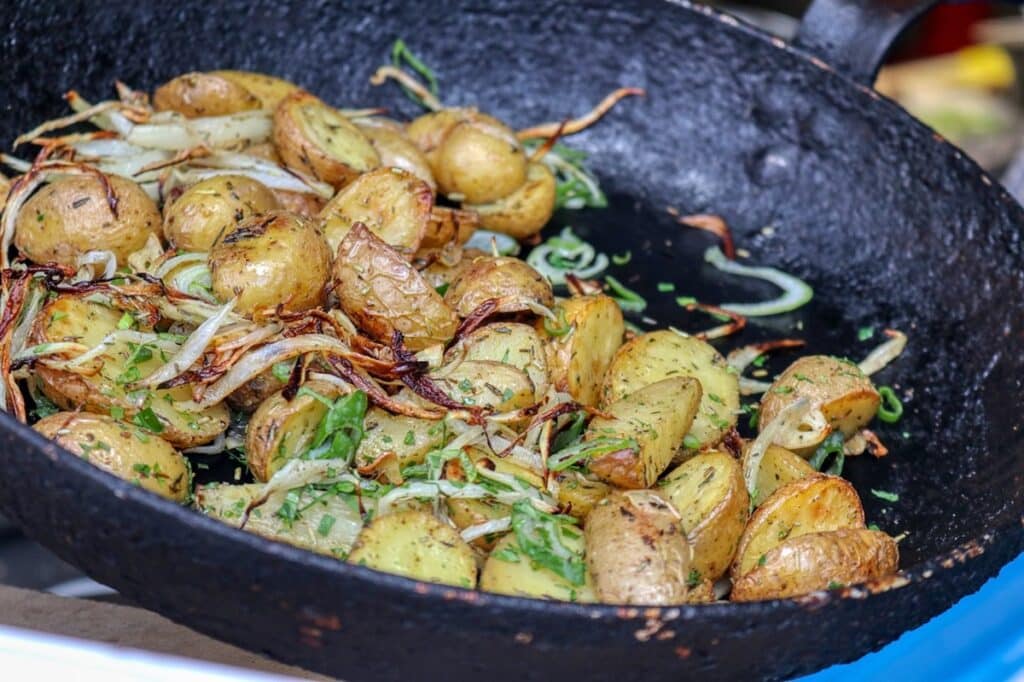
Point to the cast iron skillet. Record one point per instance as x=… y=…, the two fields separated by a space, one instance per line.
x=892 y=226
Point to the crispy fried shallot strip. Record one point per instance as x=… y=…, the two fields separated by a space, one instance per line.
x=573 y=126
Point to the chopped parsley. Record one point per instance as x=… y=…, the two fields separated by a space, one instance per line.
x=691 y=442
x=147 y=419
x=442 y=289
x=865 y=333
x=326 y=523
x=341 y=430
x=885 y=495
x=622 y=258
x=665 y=287
x=693 y=579
x=539 y=537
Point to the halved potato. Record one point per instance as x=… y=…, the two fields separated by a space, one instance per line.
x=485 y=383
x=510 y=571
x=813 y=504
x=315 y=138
x=383 y=293
x=204 y=94
x=511 y=343
x=395 y=149
x=212 y=208
x=579 y=358
x=657 y=417
x=124 y=450
x=819 y=561
x=328 y=522
x=578 y=494
x=525 y=211
x=409 y=438
x=779 y=467
x=449 y=226
x=514 y=284
x=394 y=204
x=636 y=550
x=465 y=512
x=712 y=500
x=428 y=131
x=656 y=355
x=269 y=90
x=417 y=545
x=479 y=161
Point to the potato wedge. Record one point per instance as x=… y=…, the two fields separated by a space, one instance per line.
x=383 y=294
x=328 y=523
x=657 y=417
x=316 y=139
x=417 y=545
x=511 y=343
x=269 y=90
x=204 y=94
x=636 y=550
x=525 y=211
x=394 y=204
x=479 y=161
x=579 y=494
x=485 y=383
x=509 y=571
x=395 y=149
x=514 y=284
x=212 y=208
x=409 y=438
x=779 y=467
x=656 y=355
x=712 y=500
x=124 y=450
x=579 y=358
x=819 y=561
x=812 y=504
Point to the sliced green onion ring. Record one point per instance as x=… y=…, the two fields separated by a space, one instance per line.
x=567 y=254
x=891 y=408
x=795 y=292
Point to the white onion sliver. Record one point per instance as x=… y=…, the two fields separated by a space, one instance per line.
x=788 y=419
x=885 y=353
x=105 y=258
x=15 y=200
x=216 y=447
x=795 y=292
x=501 y=525
x=481 y=239
x=190 y=351
x=123 y=336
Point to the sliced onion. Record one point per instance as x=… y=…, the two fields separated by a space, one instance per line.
x=111 y=119
x=122 y=336
x=585 y=261
x=175 y=132
x=813 y=429
x=190 y=351
x=740 y=358
x=20 y=191
x=132 y=167
x=171 y=264
x=237 y=162
x=43 y=350
x=885 y=353
x=787 y=420
x=106 y=148
x=485 y=239
x=277 y=181
x=215 y=448
x=471 y=533
x=36 y=299
x=795 y=292
x=105 y=258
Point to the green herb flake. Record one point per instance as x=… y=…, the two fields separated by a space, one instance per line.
x=465 y=386
x=147 y=419
x=506 y=554
x=622 y=258
x=282 y=371
x=762 y=560
x=665 y=287
x=442 y=289
x=833 y=585
x=127 y=321
x=865 y=333
x=691 y=442
x=326 y=524
x=873 y=526
x=117 y=412
x=341 y=429
x=685 y=301
x=693 y=579
x=885 y=495
x=783 y=390
x=759 y=361
x=539 y=537
x=410 y=438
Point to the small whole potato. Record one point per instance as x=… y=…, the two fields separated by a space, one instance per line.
x=212 y=208
x=524 y=212
x=511 y=281
x=480 y=161
x=72 y=215
x=203 y=94
x=272 y=259
x=121 y=449
x=300 y=203
x=269 y=90
x=428 y=131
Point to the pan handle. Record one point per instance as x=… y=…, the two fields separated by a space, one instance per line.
x=853 y=36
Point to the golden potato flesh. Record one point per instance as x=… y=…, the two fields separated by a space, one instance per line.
x=508 y=570
x=587 y=334
x=395 y=149
x=480 y=161
x=212 y=208
x=272 y=259
x=316 y=139
x=124 y=450
x=779 y=467
x=465 y=512
x=578 y=494
x=269 y=90
x=525 y=211
x=393 y=204
x=813 y=504
x=203 y=94
x=819 y=561
x=72 y=215
x=712 y=500
x=485 y=383
x=843 y=393
x=510 y=343
x=514 y=284
x=449 y=226
x=636 y=550
x=657 y=417
x=382 y=293
x=410 y=439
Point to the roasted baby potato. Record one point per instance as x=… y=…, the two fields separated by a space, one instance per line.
x=383 y=293
x=525 y=211
x=514 y=284
x=510 y=571
x=250 y=395
x=269 y=90
x=212 y=208
x=449 y=226
x=511 y=343
x=837 y=387
x=812 y=504
x=779 y=467
x=395 y=149
x=657 y=417
x=73 y=318
x=393 y=204
x=636 y=550
x=486 y=383
x=270 y=260
x=300 y=203
x=428 y=131
x=124 y=450
x=479 y=161
x=316 y=139
x=712 y=500
x=656 y=355
x=578 y=493
x=417 y=545
x=328 y=522
x=72 y=215
x=819 y=561
x=409 y=438
x=204 y=94
x=582 y=344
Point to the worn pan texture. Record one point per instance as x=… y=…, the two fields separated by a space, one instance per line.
x=892 y=226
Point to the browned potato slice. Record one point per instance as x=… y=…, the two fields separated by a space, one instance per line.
x=813 y=504
x=449 y=226
x=467 y=512
x=71 y=215
x=72 y=318
x=579 y=494
x=383 y=293
x=480 y=161
x=525 y=211
x=657 y=417
x=394 y=204
x=509 y=571
x=511 y=281
x=272 y=259
x=636 y=550
x=779 y=467
x=316 y=139
x=580 y=357
x=395 y=149
x=511 y=343
x=203 y=94
x=656 y=355
x=123 y=449
x=409 y=438
x=837 y=387
x=212 y=208
x=709 y=493
x=485 y=383
x=819 y=561
x=269 y=90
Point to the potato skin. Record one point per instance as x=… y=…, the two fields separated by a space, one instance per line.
x=509 y=571
x=70 y=216
x=580 y=359
x=525 y=211
x=315 y=138
x=249 y=396
x=817 y=561
x=636 y=550
x=300 y=203
x=778 y=468
x=383 y=293
x=269 y=90
x=449 y=226
x=203 y=94
x=272 y=259
x=428 y=131
x=395 y=149
x=212 y=208
x=486 y=383
x=510 y=280
x=122 y=449
x=480 y=161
